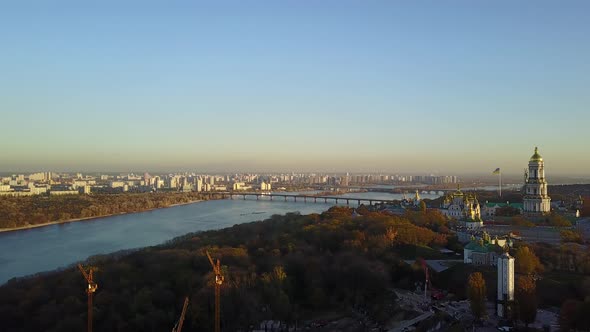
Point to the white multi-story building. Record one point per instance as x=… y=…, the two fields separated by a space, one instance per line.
x=535 y=198
x=38 y=190
x=505 y=283
x=86 y=190
x=63 y=192
x=37 y=177
x=117 y=184
x=173 y=182
x=198 y=184
x=239 y=186
x=265 y=186
x=79 y=183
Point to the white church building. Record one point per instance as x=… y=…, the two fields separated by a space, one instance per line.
x=463 y=207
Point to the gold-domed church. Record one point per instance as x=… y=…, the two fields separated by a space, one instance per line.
x=535 y=198
x=463 y=207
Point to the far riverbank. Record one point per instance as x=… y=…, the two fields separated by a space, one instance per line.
x=58 y=222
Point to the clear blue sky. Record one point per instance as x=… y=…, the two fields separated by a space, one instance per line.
x=407 y=86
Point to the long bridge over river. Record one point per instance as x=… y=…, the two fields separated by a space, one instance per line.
x=300 y=197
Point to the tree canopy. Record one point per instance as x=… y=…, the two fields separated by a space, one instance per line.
x=476 y=290
x=526 y=298
x=526 y=261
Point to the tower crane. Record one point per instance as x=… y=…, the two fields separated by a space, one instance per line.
x=218 y=281
x=435 y=293
x=92 y=286
x=426 y=275
x=178 y=326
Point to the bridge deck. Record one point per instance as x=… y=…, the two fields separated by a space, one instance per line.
x=335 y=198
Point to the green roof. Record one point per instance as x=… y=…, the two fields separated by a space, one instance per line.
x=495 y=204
x=475 y=246
x=514 y=205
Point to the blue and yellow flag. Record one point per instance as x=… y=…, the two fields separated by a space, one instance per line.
x=497 y=171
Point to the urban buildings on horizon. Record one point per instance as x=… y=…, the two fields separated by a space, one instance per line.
x=55 y=183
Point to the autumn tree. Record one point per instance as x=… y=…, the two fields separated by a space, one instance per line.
x=527 y=299
x=519 y=220
x=507 y=211
x=571 y=236
x=526 y=261
x=422 y=206
x=558 y=220
x=476 y=290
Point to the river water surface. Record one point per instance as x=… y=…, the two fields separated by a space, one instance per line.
x=41 y=249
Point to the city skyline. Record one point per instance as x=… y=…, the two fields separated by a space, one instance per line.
x=458 y=88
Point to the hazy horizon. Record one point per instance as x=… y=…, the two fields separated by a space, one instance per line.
x=457 y=87
x=507 y=178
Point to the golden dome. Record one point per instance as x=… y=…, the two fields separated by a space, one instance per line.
x=536 y=156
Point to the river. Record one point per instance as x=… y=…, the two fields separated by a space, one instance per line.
x=47 y=248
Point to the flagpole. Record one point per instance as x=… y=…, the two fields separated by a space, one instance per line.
x=500 y=184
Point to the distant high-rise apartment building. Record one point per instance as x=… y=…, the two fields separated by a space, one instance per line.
x=42 y=176
x=86 y=190
x=345 y=180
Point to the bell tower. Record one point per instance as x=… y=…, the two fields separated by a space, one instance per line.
x=535 y=198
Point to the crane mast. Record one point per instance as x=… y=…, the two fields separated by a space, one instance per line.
x=218 y=282
x=427 y=278
x=178 y=327
x=92 y=286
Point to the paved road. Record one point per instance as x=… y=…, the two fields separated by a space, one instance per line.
x=437 y=265
x=583 y=225
x=529 y=234
x=407 y=323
